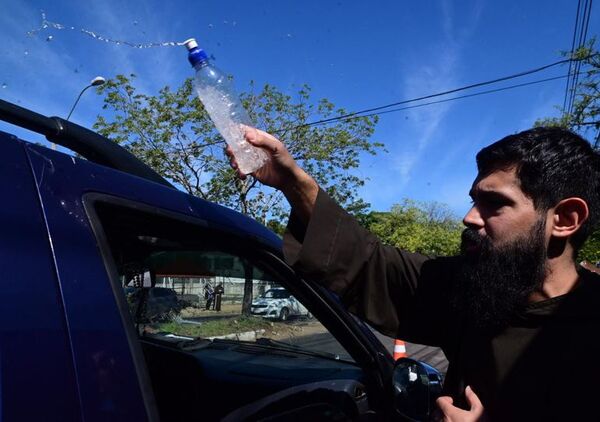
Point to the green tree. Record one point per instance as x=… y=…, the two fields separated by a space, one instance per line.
x=429 y=228
x=590 y=251
x=173 y=134
x=584 y=115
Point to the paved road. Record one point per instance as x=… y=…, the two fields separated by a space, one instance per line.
x=325 y=343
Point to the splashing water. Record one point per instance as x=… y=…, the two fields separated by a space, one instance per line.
x=48 y=24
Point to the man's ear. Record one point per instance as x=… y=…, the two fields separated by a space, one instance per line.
x=568 y=216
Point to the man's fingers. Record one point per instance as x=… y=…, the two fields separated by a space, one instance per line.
x=473 y=400
x=232 y=161
x=453 y=413
x=445 y=403
x=262 y=139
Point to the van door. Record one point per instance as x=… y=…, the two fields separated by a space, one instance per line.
x=37 y=377
x=110 y=377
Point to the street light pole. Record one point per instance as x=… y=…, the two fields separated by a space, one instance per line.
x=98 y=80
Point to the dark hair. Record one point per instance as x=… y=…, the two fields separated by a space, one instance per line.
x=552 y=164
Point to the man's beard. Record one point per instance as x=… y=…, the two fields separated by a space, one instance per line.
x=495 y=282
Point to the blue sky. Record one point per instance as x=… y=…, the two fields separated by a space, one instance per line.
x=357 y=54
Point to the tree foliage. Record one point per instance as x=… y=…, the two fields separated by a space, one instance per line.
x=590 y=250
x=584 y=115
x=172 y=133
x=429 y=228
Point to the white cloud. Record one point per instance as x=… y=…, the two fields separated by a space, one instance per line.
x=438 y=74
x=425 y=122
x=447 y=18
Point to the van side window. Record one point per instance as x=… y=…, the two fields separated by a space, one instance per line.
x=187 y=282
x=214 y=322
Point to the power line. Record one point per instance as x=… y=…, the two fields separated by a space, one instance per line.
x=476 y=85
x=585 y=19
x=569 y=81
x=576 y=65
x=491 y=91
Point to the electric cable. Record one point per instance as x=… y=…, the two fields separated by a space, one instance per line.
x=451 y=91
x=491 y=91
x=569 y=80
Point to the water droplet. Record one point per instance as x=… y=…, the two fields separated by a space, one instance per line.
x=26 y=52
x=4 y=85
x=135 y=22
x=225 y=22
x=234 y=23
x=289 y=35
x=50 y=37
x=211 y=26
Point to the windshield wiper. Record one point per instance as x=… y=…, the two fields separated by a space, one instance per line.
x=265 y=341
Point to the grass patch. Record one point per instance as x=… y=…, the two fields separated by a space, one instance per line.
x=238 y=324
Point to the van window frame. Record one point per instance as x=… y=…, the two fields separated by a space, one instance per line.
x=366 y=356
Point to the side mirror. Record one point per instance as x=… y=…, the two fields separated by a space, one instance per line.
x=416 y=387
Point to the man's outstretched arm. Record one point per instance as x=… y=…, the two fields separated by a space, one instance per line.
x=324 y=243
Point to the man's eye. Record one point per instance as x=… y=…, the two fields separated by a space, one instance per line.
x=495 y=204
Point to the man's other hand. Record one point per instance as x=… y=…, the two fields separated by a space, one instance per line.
x=450 y=413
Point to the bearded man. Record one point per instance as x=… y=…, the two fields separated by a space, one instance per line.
x=517 y=318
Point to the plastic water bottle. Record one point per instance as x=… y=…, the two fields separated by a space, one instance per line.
x=225 y=109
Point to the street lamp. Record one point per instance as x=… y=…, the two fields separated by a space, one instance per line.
x=98 y=80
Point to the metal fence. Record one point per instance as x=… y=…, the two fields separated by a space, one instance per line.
x=196 y=287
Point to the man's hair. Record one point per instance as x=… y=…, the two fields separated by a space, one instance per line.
x=552 y=164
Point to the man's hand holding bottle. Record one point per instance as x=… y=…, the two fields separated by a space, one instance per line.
x=281 y=172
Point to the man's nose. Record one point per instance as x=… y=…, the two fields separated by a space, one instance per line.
x=473 y=218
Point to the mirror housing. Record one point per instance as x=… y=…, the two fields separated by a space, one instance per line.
x=416 y=388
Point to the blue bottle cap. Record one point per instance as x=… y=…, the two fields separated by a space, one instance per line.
x=195 y=54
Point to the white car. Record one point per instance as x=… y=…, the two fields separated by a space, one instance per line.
x=278 y=303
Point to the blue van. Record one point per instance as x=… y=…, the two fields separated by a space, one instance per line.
x=80 y=231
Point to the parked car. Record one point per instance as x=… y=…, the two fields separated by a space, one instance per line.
x=280 y=304
x=77 y=228
x=157 y=304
